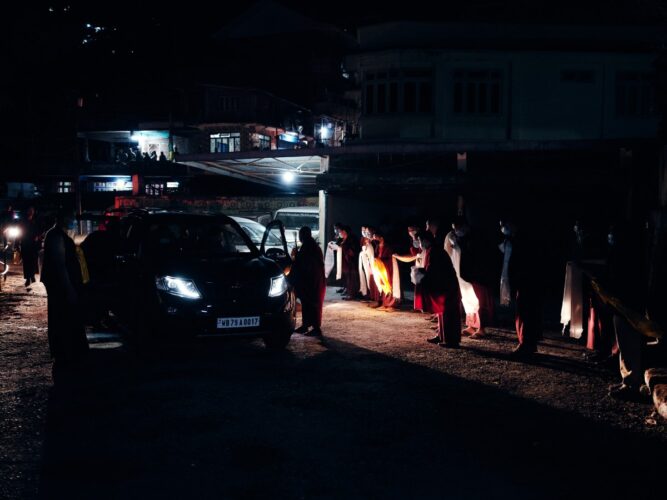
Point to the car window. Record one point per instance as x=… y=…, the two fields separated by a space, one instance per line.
x=205 y=238
x=256 y=232
x=296 y=221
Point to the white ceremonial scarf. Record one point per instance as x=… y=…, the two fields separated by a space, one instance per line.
x=468 y=297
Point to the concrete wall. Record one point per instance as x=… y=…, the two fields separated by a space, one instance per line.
x=537 y=102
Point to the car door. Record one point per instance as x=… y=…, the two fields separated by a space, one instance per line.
x=280 y=255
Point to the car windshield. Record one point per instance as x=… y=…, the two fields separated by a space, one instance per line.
x=256 y=232
x=297 y=221
x=201 y=237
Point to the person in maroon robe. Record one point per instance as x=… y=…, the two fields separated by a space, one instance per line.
x=440 y=291
x=350 y=249
x=307 y=276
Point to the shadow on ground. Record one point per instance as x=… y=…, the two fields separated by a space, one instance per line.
x=232 y=420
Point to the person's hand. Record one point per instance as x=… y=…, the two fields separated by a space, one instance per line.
x=293 y=253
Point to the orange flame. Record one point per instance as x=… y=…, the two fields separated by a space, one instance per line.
x=381 y=277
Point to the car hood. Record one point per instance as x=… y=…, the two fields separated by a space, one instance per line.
x=219 y=270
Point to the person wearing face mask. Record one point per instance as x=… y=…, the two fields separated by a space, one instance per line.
x=366 y=256
x=601 y=336
x=333 y=258
x=455 y=243
x=414 y=255
x=477 y=266
x=440 y=291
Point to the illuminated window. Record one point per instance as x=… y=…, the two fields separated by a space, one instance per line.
x=226 y=142
x=154 y=188
x=477 y=92
x=635 y=95
x=64 y=187
x=263 y=142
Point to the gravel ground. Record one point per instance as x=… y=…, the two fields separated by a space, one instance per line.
x=369 y=411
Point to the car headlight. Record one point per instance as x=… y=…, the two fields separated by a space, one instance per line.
x=278 y=286
x=178 y=286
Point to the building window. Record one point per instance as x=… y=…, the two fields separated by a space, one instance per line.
x=393 y=91
x=577 y=76
x=123 y=183
x=477 y=92
x=635 y=94
x=229 y=104
x=226 y=143
x=370 y=99
x=264 y=142
x=64 y=187
x=154 y=188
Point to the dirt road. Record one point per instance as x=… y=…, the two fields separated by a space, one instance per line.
x=369 y=411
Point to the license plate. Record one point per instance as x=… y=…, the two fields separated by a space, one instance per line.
x=246 y=322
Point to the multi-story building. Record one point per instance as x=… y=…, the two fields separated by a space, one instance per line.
x=498 y=118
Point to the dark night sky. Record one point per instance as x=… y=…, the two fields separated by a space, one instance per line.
x=52 y=57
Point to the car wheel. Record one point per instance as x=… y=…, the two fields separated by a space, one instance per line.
x=277 y=340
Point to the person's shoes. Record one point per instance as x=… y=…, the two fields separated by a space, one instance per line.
x=315 y=332
x=301 y=329
x=433 y=340
x=340 y=290
x=479 y=334
x=365 y=298
x=624 y=392
x=469 y=330
x=522 y=352
x=374 y=305
x=449 y=345
x=347 y=297
x=27 y=283
x=388 y=309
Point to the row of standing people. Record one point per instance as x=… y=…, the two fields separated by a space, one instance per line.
x=451 y=272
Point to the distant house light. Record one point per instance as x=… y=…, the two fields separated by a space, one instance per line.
x=173 y=185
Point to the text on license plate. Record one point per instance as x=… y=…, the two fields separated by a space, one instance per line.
x=247 y=322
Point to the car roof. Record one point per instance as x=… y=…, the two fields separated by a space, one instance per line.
x=307 y=210
x=243 y=219
x=171 y=215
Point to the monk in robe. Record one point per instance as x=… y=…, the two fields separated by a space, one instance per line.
x=307 y=276
x=350 y=250
x=440 y=291
x=413 y=256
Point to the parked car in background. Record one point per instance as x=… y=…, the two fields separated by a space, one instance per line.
x=294 y=218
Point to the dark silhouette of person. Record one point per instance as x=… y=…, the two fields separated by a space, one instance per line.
x=162 y=156
x=153 y=156
x=307 y=276
x=61 y=275
x=350 y=249
x=525 y=281
x=100 y=249
x=30 y=247
x=440 y=291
